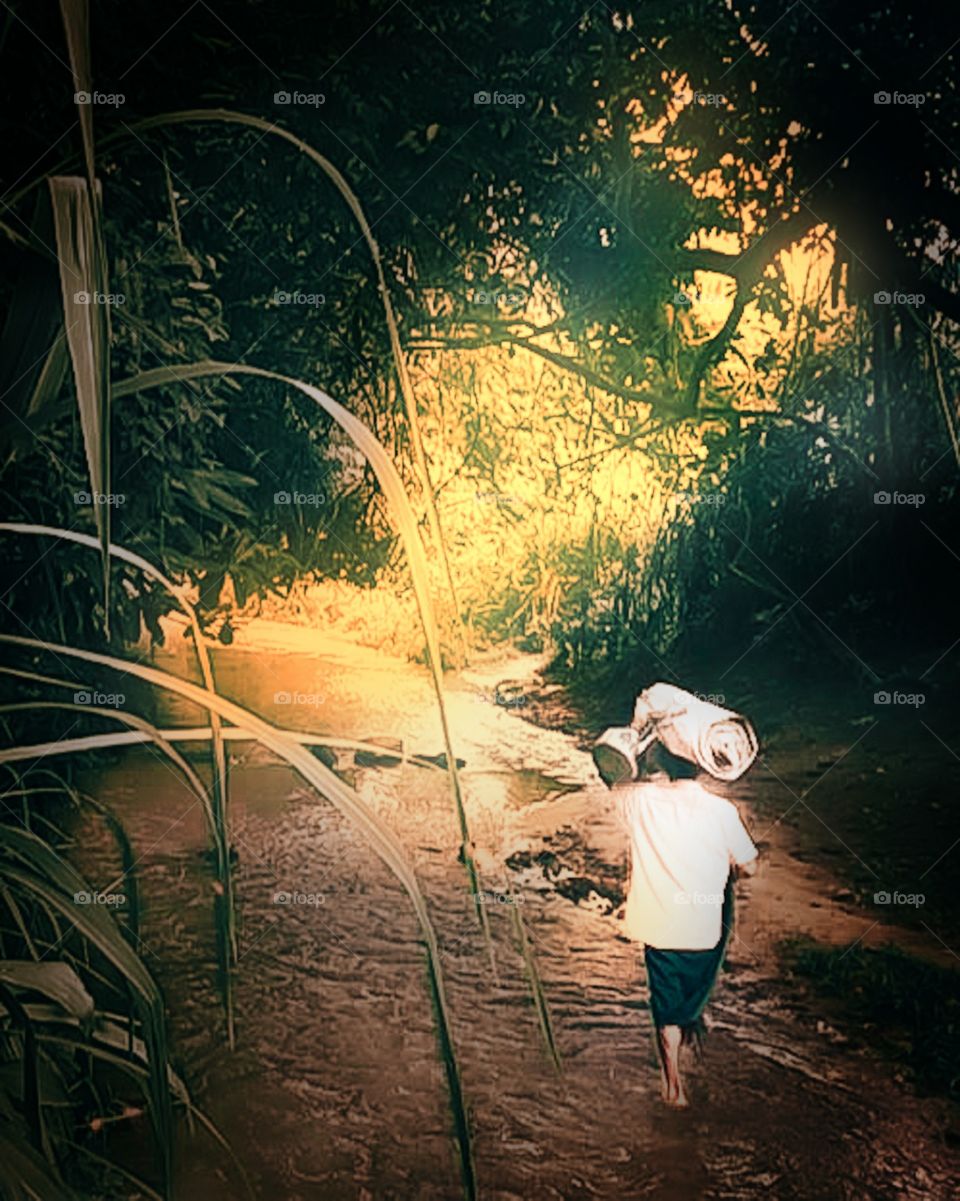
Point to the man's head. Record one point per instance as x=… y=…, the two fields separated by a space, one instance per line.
x=659 y=763
x=623 y=756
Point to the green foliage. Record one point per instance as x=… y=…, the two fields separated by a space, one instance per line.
x=70 y=952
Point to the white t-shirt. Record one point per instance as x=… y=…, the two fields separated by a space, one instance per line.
x=683 y=840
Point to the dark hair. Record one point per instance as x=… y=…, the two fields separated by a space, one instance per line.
x=657 y=760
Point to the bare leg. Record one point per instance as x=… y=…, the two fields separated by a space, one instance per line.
x=668 y=1044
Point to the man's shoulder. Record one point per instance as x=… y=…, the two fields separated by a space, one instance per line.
x=699 y=795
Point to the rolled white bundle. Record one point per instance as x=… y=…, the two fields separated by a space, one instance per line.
x=720 y=741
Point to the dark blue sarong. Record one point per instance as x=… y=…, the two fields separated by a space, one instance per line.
x=680 y=982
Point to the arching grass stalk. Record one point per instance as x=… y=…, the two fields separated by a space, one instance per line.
x=196 y=785
x=230 y=117
x=329 y=785
x=221 y=795
x=32 y=869
x=399 y=505
x=192 y=116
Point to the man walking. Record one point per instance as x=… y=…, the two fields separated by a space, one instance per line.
x=684 y=844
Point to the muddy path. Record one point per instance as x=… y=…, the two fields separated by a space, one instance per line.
x=335 y=1090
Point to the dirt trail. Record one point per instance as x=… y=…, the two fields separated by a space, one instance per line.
x=336 y=1092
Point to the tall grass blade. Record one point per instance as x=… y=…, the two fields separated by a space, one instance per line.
x=405 y=519
x=128 y=860
x=78 y=222
x=225 y=916
x=31 y=866
x=106 y=1167
x=220 y=779
x=29 y=1073
x=540 y=1005
x=352 y=805
x=82 y=282
x=130 y=719
x=56 y=981
x=111 y=1044
x=26 y=1176
x=33 y=351
x=406 y=386
x=76 y=25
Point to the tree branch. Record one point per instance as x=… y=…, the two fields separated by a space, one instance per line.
x=665 y=405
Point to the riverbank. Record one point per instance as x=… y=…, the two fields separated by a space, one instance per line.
x=854 y=912
x=336 y=1091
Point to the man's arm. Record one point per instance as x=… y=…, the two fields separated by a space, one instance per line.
x=743 y=851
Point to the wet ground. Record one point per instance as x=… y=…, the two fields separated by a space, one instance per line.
x=336 y=1091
